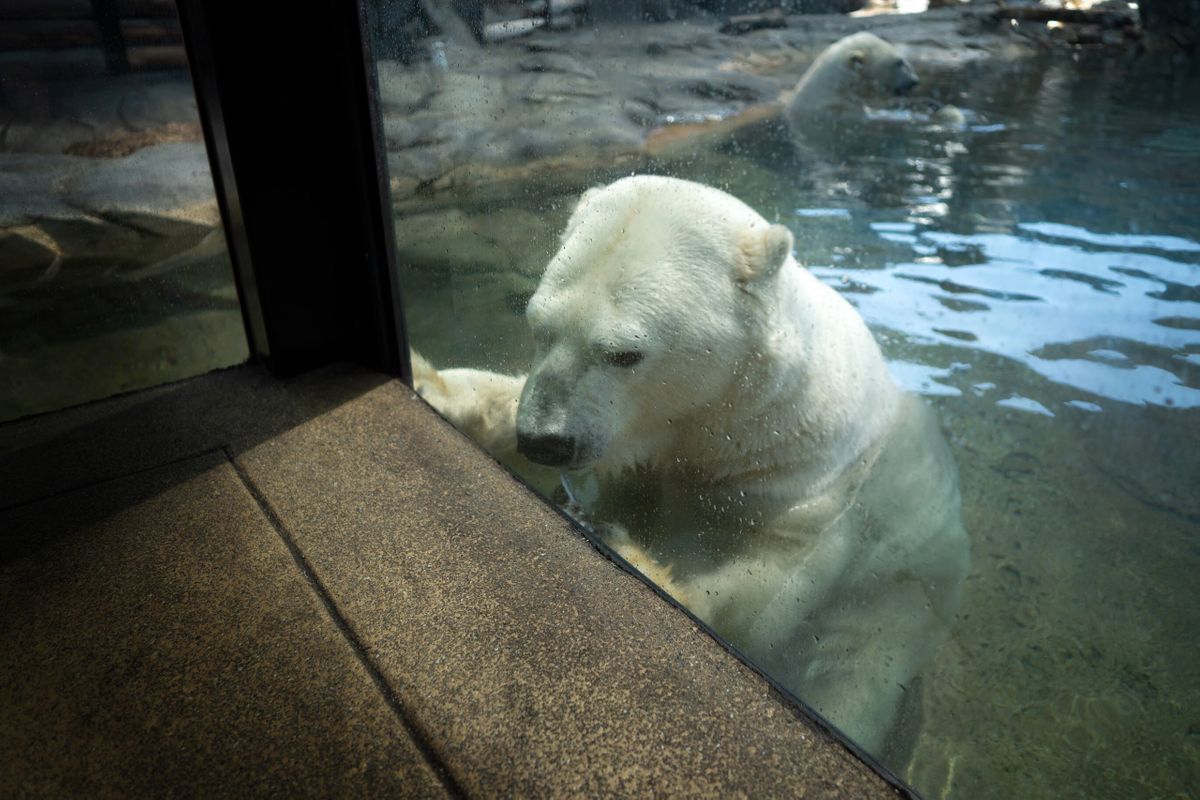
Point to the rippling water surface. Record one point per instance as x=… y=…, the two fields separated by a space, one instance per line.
x=1125 y=323
x=1059 y=229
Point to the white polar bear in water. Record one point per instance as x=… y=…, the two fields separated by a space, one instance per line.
x=852 y=73
x=747 y=446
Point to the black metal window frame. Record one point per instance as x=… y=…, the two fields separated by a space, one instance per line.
x=288 y=108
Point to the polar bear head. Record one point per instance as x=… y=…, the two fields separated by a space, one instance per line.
x=860 y=68
x=642 y=317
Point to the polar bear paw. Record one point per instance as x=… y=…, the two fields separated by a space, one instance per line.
x=427 y=381
x=618 y=539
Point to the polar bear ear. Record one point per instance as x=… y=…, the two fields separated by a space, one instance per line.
x=588 y=196
x=584 y=199
x=857 y=59
x=763 y=252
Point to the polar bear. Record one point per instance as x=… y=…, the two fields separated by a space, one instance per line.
x=851 y=73
x=737 y=437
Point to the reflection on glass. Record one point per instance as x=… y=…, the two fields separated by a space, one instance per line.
x=113 y=269
x=1019 y=235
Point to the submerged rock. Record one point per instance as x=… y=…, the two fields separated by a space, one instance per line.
x=65 y=218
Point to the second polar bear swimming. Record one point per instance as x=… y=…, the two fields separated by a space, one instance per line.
x=738 y=439
x=829 y=101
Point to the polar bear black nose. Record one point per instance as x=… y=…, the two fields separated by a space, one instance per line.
x=550 y=449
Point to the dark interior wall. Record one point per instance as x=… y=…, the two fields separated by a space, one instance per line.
x=292 y=96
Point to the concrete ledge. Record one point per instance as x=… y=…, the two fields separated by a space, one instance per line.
x=513 y=656
x=158 y=640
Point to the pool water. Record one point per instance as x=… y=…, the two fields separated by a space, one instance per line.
x=1036 y=276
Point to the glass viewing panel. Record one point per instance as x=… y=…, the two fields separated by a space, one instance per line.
x=637 y=255
x=114 y=274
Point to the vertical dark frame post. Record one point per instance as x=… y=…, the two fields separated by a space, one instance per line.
x=108 y=20
x=287 y=101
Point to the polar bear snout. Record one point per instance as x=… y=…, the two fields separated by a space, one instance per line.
x=906 y=79
x=545 y=434
x=561 y=416
x=548 y=449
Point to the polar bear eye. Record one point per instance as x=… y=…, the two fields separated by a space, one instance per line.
x=625 y=358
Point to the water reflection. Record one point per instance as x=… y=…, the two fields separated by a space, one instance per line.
x=1046 y=294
